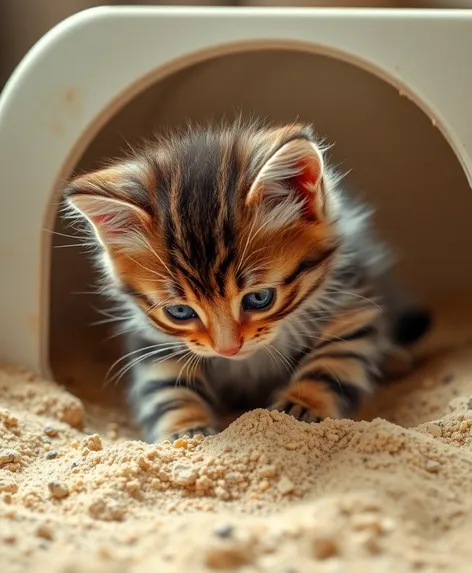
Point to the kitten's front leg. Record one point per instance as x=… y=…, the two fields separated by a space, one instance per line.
x=317 y=395
x=169 y=406
x=330 y=381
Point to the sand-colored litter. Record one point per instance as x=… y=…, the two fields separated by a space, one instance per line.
x=268 y=494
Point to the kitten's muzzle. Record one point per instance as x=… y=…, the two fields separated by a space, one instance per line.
x=229 y=349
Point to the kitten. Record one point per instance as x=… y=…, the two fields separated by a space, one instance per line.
x=250 y=279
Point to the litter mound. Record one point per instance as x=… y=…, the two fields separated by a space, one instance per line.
x=267 y=494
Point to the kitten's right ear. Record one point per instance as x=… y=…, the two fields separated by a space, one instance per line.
x=291 y=178
x=115 y=220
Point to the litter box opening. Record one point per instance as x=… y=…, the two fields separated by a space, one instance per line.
x=396 y=158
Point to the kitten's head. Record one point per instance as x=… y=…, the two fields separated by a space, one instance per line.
x=216 y=235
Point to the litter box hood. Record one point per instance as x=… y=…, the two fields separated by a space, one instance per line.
x=377 y=83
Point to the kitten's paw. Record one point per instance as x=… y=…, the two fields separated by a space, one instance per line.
x=299 y=412
x=191 y=432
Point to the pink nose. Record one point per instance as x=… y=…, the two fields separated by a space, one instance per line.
x=230 y=350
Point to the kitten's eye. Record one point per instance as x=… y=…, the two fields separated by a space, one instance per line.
x=181 y=312
x=259 y=300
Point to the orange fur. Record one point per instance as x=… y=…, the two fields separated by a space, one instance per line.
x=311 y=395
x=192 y=415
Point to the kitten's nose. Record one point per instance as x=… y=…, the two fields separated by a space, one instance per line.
x=230 y=349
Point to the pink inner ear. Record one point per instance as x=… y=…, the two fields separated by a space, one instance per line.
x=308 y=178
x=304 y=184
x=104 y=221
x=309 y=174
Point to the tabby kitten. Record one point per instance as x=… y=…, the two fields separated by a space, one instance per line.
x=249 y=278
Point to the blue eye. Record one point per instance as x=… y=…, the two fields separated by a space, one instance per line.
x=181 y=312
x=259 y=300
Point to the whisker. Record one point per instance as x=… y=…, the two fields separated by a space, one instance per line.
x=249 y=257
x=146 y=268
x=193 y=370
x=254 y=266
x=255 y=252
x=197 y=365
x=246 y=246
x=163 y=280
x=158 y=305
x=75 y=245
x=267 y=350
x=146 y=242
x=139 y=359
x=353 y=294
x=51 y=232
x=281 y=358
x=251 y=238
x=286 y=359
x=109 y=320
x=120 y=331
x=106 y=312
x=152 y=346
x=177 y=382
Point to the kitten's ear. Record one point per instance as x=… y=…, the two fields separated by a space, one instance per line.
x=115 y=220
x=293 y=174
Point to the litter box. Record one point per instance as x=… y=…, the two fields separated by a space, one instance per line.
x=392 y=89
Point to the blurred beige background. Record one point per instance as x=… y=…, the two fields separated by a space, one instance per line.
x=23 y=22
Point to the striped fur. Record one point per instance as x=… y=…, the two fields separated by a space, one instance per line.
x=204 y=218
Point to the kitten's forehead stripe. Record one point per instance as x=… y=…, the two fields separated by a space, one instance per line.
x=174 y=200
x=199 y=200
x=199 y=204
x=221 y=274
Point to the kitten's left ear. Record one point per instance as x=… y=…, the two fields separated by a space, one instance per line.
x=293 y=174
x=114 y=218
